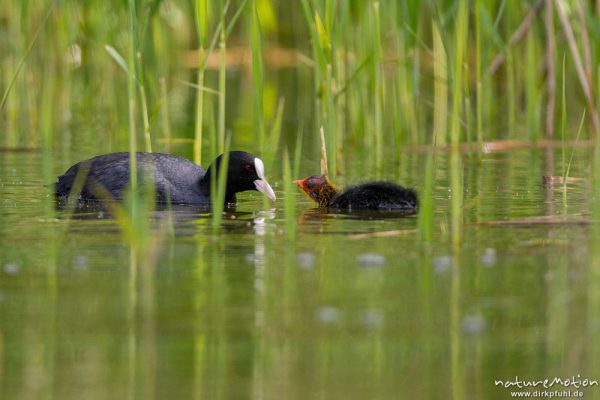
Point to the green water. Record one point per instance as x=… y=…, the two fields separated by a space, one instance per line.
x=248 y=314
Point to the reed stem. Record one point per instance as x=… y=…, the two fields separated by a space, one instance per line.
x=131 y=83
x=222 y=79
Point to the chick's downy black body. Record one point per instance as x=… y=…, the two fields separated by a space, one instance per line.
x=175 y=179
x=376 y=196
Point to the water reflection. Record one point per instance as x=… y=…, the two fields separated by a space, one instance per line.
x=184 y=219
x=318 y=213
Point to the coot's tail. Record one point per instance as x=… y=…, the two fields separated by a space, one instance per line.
x=74 y=182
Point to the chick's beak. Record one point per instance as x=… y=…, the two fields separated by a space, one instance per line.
x=264 y=187
x=301 y=183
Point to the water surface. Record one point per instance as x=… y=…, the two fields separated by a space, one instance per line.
x=332 y=314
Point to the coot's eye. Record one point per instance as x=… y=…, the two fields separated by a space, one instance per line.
x=249 y=167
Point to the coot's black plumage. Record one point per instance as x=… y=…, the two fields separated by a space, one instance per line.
x=368 y=196
x=176 y=179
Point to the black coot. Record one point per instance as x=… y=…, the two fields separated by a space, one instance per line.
x=176 y=179
x=367 y=196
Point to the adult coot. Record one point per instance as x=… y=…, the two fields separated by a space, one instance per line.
x=175 y=179
x=367 y=196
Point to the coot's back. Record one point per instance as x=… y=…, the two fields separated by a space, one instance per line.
x=107 y=176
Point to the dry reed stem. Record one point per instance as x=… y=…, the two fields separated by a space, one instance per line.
x=241 y=56
x=585 y=41
x=517 y=36
x=501 y=146
x=324 y=168
x=573 y=219
x=400 y=232
x=587 y=90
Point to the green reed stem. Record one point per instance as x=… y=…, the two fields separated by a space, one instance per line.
x=379 y=90
x=258 y=78
x=456 y=362
x=456 y=200
x=532 y=91
x=460 y=45
x=131 y=82
x=406 y=96
x=426 y=201
x=275 y=132
x=440 y=87
x=269 y=151
x=201 y=21
x=324 y=76
x=222 y=32
x=314 y=35
x=511 y=92
x=297 y=152
x=211 y=125
x=467 y=108
x=290 y=199
x=456 y=184
x=199 y=117
x=222 y=79
x=131 y=322
x=478 y=72
x=219 y=188
x=144 y=105
x=568 y=170
x=14 y=75
x=330 y=118
x=166 y=126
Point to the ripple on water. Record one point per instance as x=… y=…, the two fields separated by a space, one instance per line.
x=366 y=260
x=488 y=258
x=371 y=318
x=305 y=260
x=473 y=324
x=81 y=262
x=442 y=264
x=11 y=268
x=328 y=315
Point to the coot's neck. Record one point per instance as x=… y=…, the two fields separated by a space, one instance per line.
x=205 y=184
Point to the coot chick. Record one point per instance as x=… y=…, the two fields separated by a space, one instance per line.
x=176 y=179
x=367 y=196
